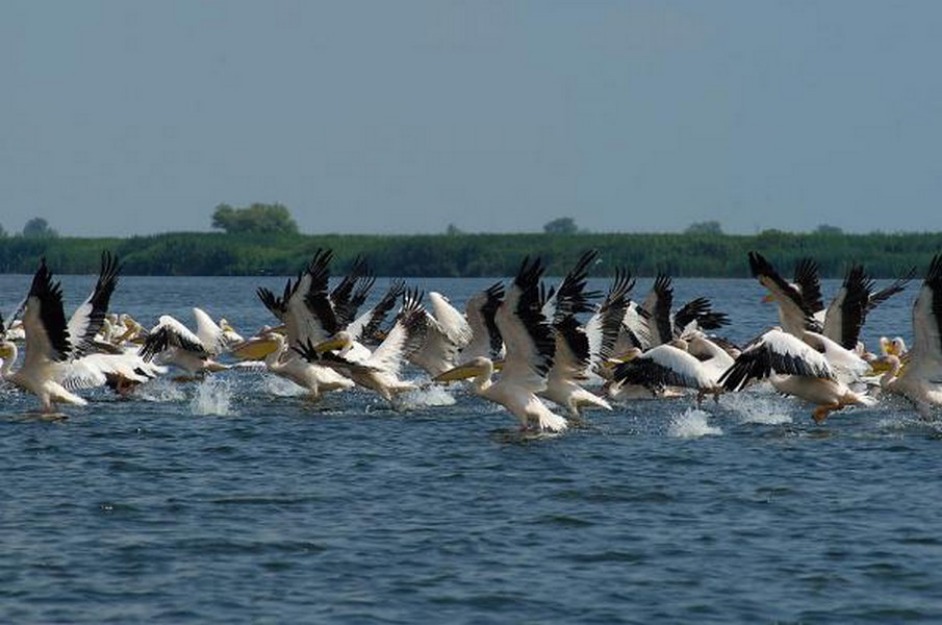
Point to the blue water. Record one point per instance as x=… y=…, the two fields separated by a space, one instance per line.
x=234 y=500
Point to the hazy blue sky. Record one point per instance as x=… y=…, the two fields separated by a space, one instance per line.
x=132 y=117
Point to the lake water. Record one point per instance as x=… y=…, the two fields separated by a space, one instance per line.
x=234 y=500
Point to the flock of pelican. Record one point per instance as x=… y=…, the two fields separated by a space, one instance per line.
x=545 y=353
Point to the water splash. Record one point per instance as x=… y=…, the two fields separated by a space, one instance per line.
x=692 y=424
x=213 y=396
x=755 y=408
x=281 y=387
x=160 y=390
x=424 y=397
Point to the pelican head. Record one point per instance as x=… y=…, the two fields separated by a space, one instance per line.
x=897 y=346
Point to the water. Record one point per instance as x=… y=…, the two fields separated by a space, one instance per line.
x=235 y=500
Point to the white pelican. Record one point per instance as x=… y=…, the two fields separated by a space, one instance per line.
x=663 y=366
x=292 y=365
x=480 y=311
x=653 y=323
x=658 y=304
x=530 y=346
x=605 y=325
x=89 y=362
x=848 y=310
x=447 y=333
x=796 y=310
x=172 y=343
x=795 y=313
x=47 y=344
x=921 y=378
x=86 y=322
x=571 y=362
x=572 y=356
x=304 y=306
x=794 y=368
x=801 y=306
x=380 y=369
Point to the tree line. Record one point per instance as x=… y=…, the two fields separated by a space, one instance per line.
x=689 y=254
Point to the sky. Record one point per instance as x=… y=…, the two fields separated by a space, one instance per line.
x=129 y=117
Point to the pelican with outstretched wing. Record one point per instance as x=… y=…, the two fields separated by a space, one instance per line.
x=48 y=344
x=530 y=347
x=794 y=368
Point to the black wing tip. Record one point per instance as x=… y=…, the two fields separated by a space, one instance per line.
x=759 y=265
x=529 y=274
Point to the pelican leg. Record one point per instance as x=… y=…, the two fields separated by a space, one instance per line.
x=820 y=414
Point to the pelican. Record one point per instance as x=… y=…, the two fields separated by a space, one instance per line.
x=89 y=362
x=378 y=370
x=604 y=326
x=801 y=306
x=797 y=312
x=480 y=311
x=172 y=343
x=572 y=356
x=447 y=333
x=854 y=300
x=664 y=325
x=921 y=378
x=667 y=365
x=313 y=377
x=47 y=344
x=530 y=347
x=304 y=306
x=570 y=365
x=794 y=368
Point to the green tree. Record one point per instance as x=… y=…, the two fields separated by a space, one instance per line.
x=3 y=233
x=38 y=228
x=257 y=218
x=704 y=227
x=563 y=225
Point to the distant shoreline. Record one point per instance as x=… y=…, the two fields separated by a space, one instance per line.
x=473 y=255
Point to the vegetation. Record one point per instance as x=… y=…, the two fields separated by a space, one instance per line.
x=563 y=225
x=459 y=254
x=38 y=228
x=257 y=219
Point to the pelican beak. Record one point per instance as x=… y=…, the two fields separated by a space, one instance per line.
x=614 y=361
x=331 y=344
x=254 y=349
x=461 y=372
x=499 y=365
x=768 y=298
